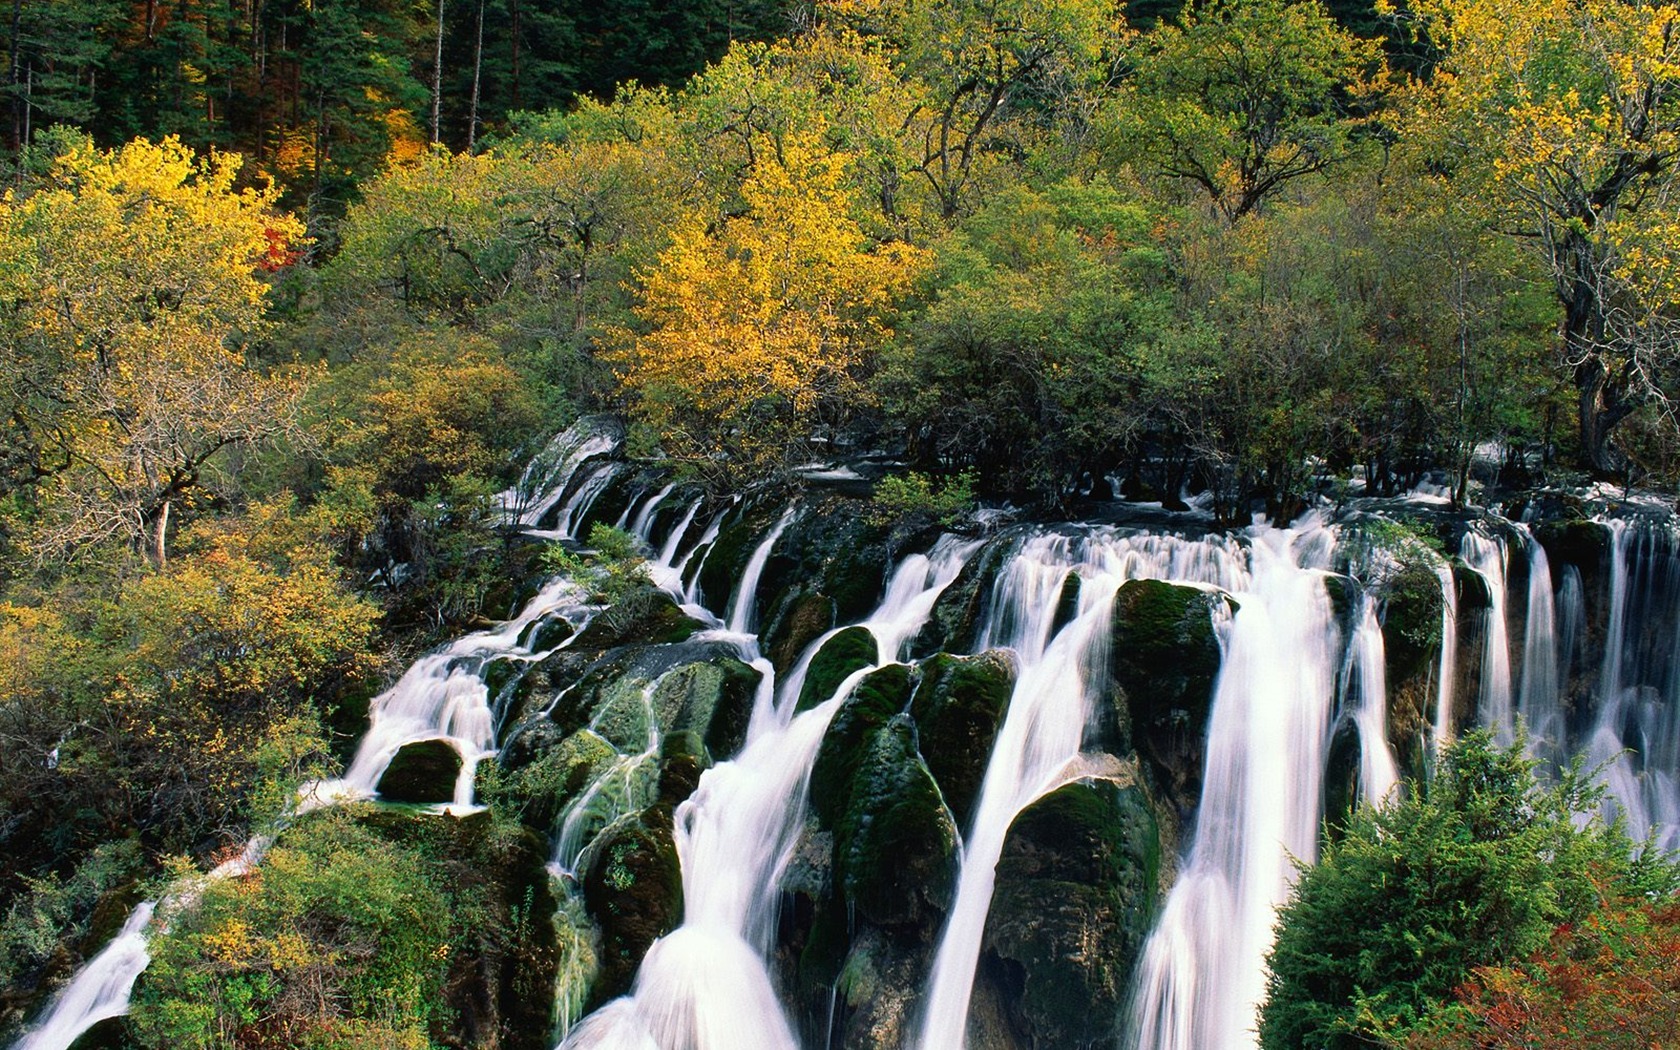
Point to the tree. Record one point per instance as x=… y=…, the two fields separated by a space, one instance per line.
x=1563 y=119
x=1477 y=871
x=978 y=64
x=755 y=329
x=129 y=281
x=1242 y=97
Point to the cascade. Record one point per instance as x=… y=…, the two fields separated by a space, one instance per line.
x=1202 y=975
x=552 y=472
x=1378 y=774
x=99 y=991
x=1485 y=556
x=1448 y=661
x=1540 y=702
x=441 y=696
x=740 y=618
x=704 y=986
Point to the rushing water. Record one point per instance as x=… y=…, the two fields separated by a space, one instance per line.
x=1590 y=669
x=705 y=985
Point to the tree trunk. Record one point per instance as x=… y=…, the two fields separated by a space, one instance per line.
x=159 y=551
x=437 y=76
x=478 y=66
x=13 y=79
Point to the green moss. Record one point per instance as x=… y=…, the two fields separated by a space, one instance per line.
x=895 y=842
x=1075 y=898
x=422 y=772
x=1165 y=658
x=847 y=652
x=800 y=620
x=1411 y=621
x=876 y=700
x=713 y=698
x=539 y=791
x=959 y=705
x=633 y=891
x=955 y=619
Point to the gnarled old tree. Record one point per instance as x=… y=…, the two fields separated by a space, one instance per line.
x=1563 y=118
x=129 y=280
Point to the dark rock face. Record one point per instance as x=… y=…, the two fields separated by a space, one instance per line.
x=895 y=842
x=958 y=707
x=957 y=615
x=841 y=656
x=422 y=772
x=1411 y=629
x=1164 y=660
x=1076 y=895
x=633 y=891
x=804 y=619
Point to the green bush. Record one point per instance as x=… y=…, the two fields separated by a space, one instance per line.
x=915 y=495
x=1477 y=871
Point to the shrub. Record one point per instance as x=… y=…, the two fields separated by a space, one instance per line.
x=1477 y=871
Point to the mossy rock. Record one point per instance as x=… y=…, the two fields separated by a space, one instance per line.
x=834 y=550
x=539 y=790
x=736 y=541
x=955 y=620
x=550 y=632
x=873 y=703
x=1164 y=658
x=113 y=1033
x=647 y=617
x=713 y=699
x=895 y=842
x=880 y=988
x=423 y=772
x=1473 y=593
x=802 y=618
x=1075 y=898
x=1411 y=621
x=682 y=759
x=1584 y=544
x=633 y=891
x=1341 y=776
x=1067 y=603
x=848 y=652
x=958 y=707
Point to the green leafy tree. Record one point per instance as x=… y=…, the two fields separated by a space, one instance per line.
x=1477 y=871
x=1240 y=98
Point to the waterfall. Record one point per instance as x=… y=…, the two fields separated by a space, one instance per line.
x=443 y=696
x=705 y=986
x=1486 y=558
x=550 y=474
x=1378 y=774
x=643 y=520
x=740 y=618
x=1203 y=975
x=1540 y=702
x=99 y=991
x=1448 y=667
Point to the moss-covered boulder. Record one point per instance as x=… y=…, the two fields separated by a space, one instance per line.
x=645 y=617
x=962 y=606
x=713 y=698
x=1075 y=898
x=1164 y=658
x=879 y=989
x=831 y=549
x=1341 y=776
x=959 y=704
x=848 y=652
x=873 y=704
x=113 y=1033
x=633 y=891
x=682 y=759
x=1575 y=541
x=1411 y=629
x=539 y=790
x=895 y=842
x=422 y=772
x=802 y=618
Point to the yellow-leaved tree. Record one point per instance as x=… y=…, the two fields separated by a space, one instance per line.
x=755 y=329
x=1561 y=119
x=130 y=281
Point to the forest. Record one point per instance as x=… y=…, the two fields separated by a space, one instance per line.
x=293 y=291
